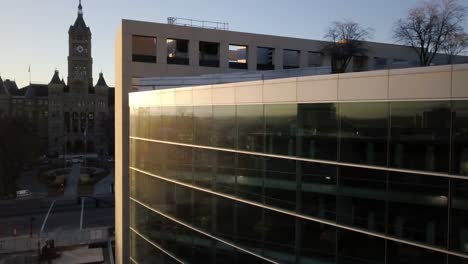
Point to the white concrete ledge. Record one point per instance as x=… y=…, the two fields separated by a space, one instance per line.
x=434 y=83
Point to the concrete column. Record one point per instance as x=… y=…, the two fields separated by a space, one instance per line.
x=252 y=57
x=303 y=59
x=161 y=50
x=194 y=53
x=278 y=58
x=224 y=55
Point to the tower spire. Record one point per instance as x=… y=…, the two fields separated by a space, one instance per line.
x=80 y=9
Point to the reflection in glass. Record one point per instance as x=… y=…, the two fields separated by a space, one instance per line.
x=459 y=215
x=364 y=133
x=279 y=236
x=317 y=132
x=156 y=130
x=460 y=137
x=318 y=190
x=250 y=127
x=357 y=248
x=225 y=172
x=280 y=183
x=203 y=122
x=184 y=124
x=280 y=129
x=318 y=243
x=418 y=208
x=250 y=177
x=224 y=126
x=420 y=135
x=362 y=198
x=203 y=165
x=169 y=123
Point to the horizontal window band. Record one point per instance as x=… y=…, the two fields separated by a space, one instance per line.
x=295 y=102
x=133 y=261
x=155 y=245
x=202 y=232
x=436 y=174
x=314 y=219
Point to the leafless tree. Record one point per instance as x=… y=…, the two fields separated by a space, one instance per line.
x=456 y=43
x=346 y=39
x=428 y=27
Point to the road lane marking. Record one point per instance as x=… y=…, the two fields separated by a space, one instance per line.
x=47 y=216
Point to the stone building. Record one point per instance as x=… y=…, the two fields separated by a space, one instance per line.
x=71 y=117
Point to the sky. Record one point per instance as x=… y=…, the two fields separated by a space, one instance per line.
x=35 y=33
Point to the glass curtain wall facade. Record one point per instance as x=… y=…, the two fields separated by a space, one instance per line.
x=348 y=182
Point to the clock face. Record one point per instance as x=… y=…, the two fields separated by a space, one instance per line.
x=80 y=49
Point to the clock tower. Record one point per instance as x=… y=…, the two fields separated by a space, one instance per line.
x=80 y=62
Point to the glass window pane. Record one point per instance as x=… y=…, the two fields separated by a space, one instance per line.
x=459 y=215
x=203 y=124
x=460 y=137
x=280 y=132
x=184 y=124
x=177 y=51
x=357 y=248
x=280 y=183
x=250 y=177
x=362 y=198
x=318 y=243
x=225 y=218
x=225 y=172
x=250 y=127
x=420 y=135
x=250 y=226
x=154 y=192
x=209 y=54
x=364 y=133
x=169 y=123
x=399 y=253
x=202 y=207
x=203 y=167
x=426 y=195
x=265 y=58
x=224 y=126
x=238 y=55
x=156 y=130
x=279 y=237
x=317 y=133
x=291 y=59
x=318 y=190
x=142 y=251
x=183 y=201
x=144 y=49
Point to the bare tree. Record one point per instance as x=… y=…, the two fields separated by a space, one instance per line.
x=455 y=44
x=429 y=26
x=346 y=39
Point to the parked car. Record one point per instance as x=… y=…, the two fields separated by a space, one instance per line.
x=22 y=193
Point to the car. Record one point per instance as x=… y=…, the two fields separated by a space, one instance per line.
x=76 y=160
x=22 y=193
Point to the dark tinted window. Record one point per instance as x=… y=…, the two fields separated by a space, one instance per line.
x=203 y=125
x=460 y=137
x=280 y=132
x=250 y=127
x=420 y=135
x=357 y=248
x=225 y=172
x=459 y=216
x=318 y=190
x=250 y=177
x=318 y=243
x=317 y=133
x=364 y=133
x=398 y=253
x=280 y=183
x=224 y=126
x=279 y=236
x=203 y=167
x=361 y=200
x=418 y=208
